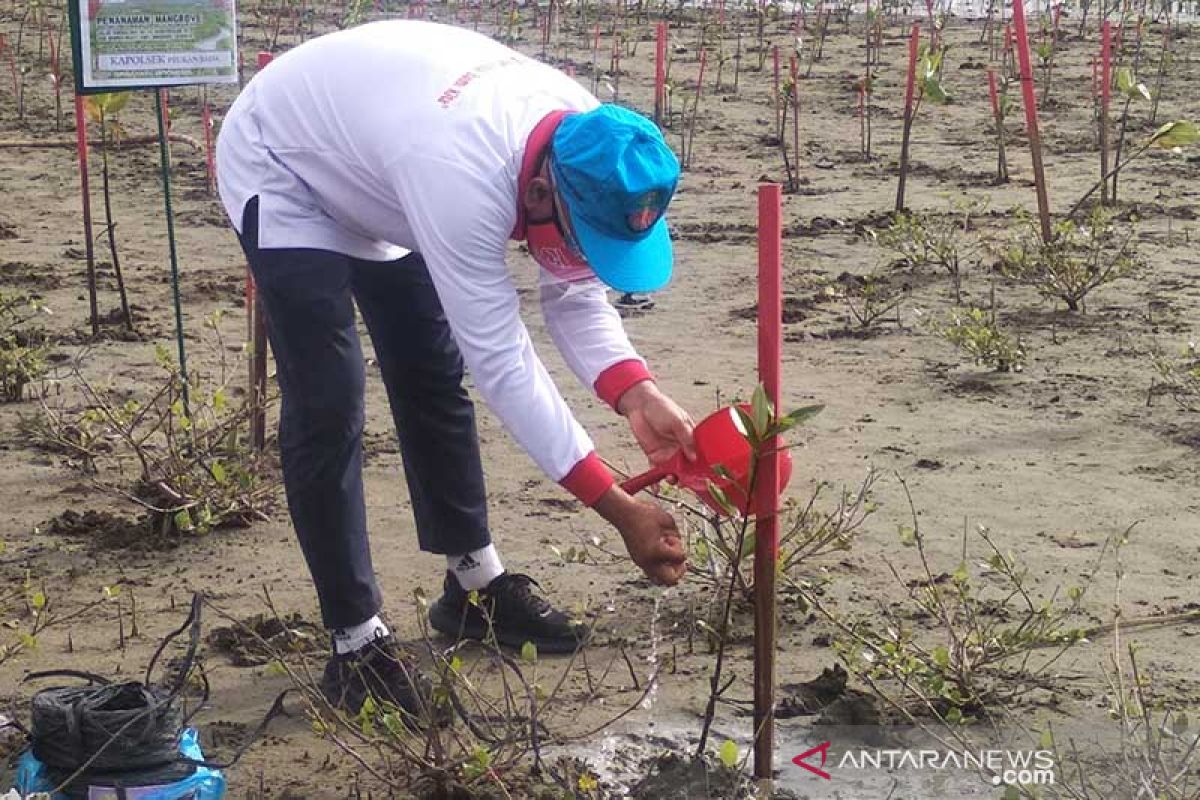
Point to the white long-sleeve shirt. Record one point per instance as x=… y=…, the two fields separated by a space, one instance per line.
x=411 y=136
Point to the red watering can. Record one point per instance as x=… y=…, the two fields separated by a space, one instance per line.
x=720 y=441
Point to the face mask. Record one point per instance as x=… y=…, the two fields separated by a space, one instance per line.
x=549 y=250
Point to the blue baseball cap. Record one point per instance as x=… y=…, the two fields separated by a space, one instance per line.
x=616 y=176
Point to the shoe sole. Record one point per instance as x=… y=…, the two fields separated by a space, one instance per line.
x=453 y=625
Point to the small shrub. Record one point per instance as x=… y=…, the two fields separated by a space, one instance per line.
x=995 y=634
x=976 y=333
x=1076 y=260
x=1179 y=376
x=937 y=240
x=22 y=349
x=194 y=467
x=868 y=299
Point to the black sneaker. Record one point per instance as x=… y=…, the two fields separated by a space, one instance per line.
x=518 y=615
x=381 y=671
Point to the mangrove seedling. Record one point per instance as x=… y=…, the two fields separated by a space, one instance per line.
x=103 y=109
x=1076 y=260
x=974 y=331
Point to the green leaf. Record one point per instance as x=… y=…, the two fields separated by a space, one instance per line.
x=799 y=416
x=1046 y=740
x=38 y=601
x=934 y=91
x=456 y=664
x=954 y=715
x=960 y=574
x=218 y=472
x=729 y=754
x=718 y=494
x=529 y=653
x=219 y=401
x=761 y=411
x=1011 y=792
x=941 y=656
x=183 y=519
x=1176 y=134
x=908 y=535
x=1124 y=79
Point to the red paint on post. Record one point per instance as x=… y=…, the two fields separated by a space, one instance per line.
x=1105 y=64
x=1031 y=118
x=766 y=547
x=660 y=72
x=914 y=42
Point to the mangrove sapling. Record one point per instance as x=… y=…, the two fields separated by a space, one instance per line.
x=1127 y=85
x=974 y=331
x=808 y=530
x=103 y=109
x=486 y=720
x=761 y=426
x=193 y=469
x=924 y=81
x=1164 y=60
x=1172 y=137
x=996 y=633
x=1158 y=746
x=1076 y=260
x=1001 y=104
x=29 y=609
x=871 y=298
x=23 y=348
x=933 y=239
x=1179 y=376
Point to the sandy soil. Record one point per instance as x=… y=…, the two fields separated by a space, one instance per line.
x=1053 y=460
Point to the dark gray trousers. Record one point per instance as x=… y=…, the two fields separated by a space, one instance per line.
x=309 y=298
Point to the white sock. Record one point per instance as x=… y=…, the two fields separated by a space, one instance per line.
x=476 y=569
x=356 y=637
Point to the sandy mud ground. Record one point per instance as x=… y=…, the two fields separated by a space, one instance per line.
x=1054 y=460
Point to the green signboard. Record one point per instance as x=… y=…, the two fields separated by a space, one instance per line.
x=128 y=44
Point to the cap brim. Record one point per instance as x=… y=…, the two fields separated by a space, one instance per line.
x=641 y=265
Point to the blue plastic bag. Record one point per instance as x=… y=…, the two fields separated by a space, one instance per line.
x=203 y=784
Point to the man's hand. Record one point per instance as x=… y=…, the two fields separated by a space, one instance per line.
x=650 y=535
x=660 y=426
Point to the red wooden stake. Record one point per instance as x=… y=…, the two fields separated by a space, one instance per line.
x=766 y=528
x=1105 y=85
x=1106 y=45
x=914 y=41
x=1031 y=118
x=660 y=73
x=81 y=145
